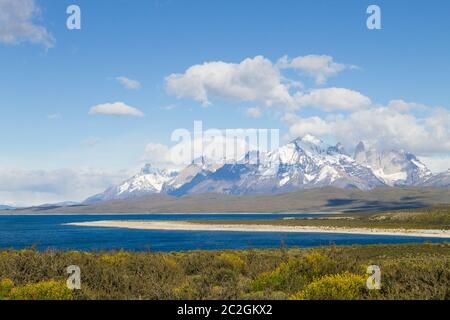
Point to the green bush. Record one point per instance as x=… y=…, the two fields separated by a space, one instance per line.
x=345 y=286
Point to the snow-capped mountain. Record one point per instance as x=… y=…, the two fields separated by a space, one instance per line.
x=393 y=167
x=199 y=167
x=154 y=181
x=303 y=163
x=149 y=181
x=441 y=180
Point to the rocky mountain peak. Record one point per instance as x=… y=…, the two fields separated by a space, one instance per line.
x=305 y=162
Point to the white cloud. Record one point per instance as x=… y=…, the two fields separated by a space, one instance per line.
x=17 y=23
x=437 y=164
x=300 y=127
x=346 y=114
x=318 y=67
x=383 y=127
x=158 y=155
x=259 y=80
x=214 y=145
x=253 y=112
x=116 y=109
x=129 y=83
x=401 y=105
x=34 y=187
x=330 y=99
x=253 y=79
x=439 y=119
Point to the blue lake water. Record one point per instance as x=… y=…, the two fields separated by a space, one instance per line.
x=48 y=231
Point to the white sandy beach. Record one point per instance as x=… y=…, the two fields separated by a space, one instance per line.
x=190 y=226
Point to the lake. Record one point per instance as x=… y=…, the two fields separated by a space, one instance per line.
x=48 y=231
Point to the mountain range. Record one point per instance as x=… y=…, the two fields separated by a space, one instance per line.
x=304 y=163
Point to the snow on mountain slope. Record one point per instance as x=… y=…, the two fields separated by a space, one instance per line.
x=394 y=167
x=149 y=181
x=303 y=163
x=200 y=166
x=441 y=180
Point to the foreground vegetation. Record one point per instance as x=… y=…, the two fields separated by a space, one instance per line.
x=408 y=271
x=436 y=217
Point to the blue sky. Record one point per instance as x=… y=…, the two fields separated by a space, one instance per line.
x=48 y=86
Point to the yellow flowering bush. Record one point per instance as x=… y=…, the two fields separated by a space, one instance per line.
x=5 y=288
x=233 y=260
x=116 y=258
x=294 y=274
x=346 y=286
x=45 y=290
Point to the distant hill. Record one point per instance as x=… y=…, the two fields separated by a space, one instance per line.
x=310 y=200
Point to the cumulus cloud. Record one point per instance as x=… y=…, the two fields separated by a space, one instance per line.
x=129 y=83
x=299 y=127
x=253 y=79
x=383 y=127
x=34 y=187
x=17 y=23
x=217 y=145
x=253 y=112
x=158 y=155
x=318 y=67
x=259 y=80
x=401 y=105
x=345 y=114
x=437 y=164
x=116 y=109
x=330 y=99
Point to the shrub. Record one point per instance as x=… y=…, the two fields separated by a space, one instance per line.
x=230 y=274
x=5 y=288
x=294 y=274
x=346 y=286
x=46 y=290
x=116 y=257
x=233 y=260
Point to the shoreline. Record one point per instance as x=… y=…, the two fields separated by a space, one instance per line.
x=189 y=226
x=170 y=213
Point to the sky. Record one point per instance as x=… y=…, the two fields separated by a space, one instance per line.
x=83 y=109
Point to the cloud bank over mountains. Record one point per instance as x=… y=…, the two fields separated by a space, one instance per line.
x=342 y=113
x=20 y=187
